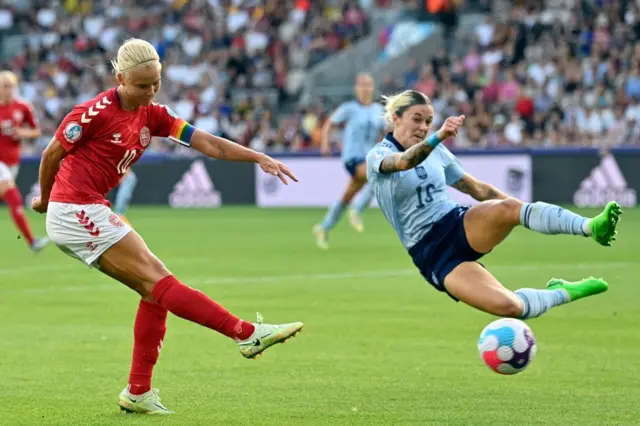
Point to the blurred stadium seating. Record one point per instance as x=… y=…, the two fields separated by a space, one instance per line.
x=532 y=73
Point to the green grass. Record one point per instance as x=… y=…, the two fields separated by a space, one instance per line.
x=380 y=346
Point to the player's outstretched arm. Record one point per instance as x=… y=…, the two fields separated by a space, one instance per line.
x=49 y=165
x=478 y=190
x=406 y=160
x=224 y=149
x=419 y=152
x=27 y=133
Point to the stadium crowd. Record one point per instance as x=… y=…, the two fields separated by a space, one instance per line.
x=207 y=47
x=554 y=73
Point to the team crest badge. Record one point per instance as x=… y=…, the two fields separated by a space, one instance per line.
x=115 y=221
x=421 y=172
x=171 y=112
x=72 y=132
x=145 y=137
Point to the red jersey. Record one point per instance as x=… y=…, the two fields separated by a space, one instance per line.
x=15 y=114
x=102 y=141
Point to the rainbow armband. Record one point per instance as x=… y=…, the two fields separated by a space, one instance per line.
x=181 y=132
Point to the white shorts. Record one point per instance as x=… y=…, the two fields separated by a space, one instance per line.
x=84 y=232
x=8 y=172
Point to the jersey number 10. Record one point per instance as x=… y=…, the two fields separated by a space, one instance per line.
x=123 y=165
x=427 y=198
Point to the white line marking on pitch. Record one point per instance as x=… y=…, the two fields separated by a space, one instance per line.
x=199 y=281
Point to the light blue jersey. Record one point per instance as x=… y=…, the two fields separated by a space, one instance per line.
x=362 y=130
x=414 y=199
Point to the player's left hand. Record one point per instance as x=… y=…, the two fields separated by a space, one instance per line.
x=38 y=205
x=276 y=168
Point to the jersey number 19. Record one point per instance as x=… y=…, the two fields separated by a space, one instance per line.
x=427 y=198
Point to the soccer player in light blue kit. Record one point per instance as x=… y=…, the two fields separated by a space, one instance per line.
x=409 y=174
x=123 y=196
x=364 y=125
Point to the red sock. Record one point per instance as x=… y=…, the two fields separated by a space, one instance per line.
x=14 y=200
x=148 y=332
x=195 y=306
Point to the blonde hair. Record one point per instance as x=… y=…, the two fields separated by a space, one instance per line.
x=8 y=75
x=135 y=53
x=400 y=102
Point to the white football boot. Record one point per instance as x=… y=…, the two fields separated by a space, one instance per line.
x=267 y=335
x=147 y=403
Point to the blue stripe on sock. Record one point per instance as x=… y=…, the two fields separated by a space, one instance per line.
x=528 y=215
x=582 y=227
x=524 y=215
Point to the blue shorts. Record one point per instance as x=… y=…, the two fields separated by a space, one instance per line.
x=352 y=164
x=443 y=248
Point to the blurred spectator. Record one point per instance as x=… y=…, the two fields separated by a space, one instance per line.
x=553 y=73
x=214 y=52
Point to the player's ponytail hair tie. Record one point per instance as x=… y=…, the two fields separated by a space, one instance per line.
x=396 y=105
x=134 y=53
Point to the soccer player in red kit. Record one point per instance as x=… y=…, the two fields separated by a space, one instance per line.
x=17 y=122
x=95 y=145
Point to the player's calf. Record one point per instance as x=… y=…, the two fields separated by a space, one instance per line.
x=508 y=307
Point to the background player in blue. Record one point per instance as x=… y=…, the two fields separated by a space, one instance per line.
x=364 y=124
x=123 y=196
x=409 y=174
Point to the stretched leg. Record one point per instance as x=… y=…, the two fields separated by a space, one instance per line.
x=321 y=231
x=487 y=224
x=148 y=334
x=474 y=285
x=10 y=194
x=131 y=262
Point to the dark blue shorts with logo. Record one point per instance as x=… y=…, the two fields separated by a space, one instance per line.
x=443 y=248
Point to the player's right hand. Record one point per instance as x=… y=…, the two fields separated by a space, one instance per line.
x=38 y=205
x=450 y=127
x=276 y=168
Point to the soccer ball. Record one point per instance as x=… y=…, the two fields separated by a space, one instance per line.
x=507 y=346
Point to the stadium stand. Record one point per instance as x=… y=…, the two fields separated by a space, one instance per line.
x=540 y=73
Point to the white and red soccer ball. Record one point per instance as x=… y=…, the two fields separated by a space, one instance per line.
x=507 y=346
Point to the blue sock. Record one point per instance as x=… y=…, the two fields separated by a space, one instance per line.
x=364 y=199
x=537 y=302
x=333 y=215
x=125 y=191
x=550 y=219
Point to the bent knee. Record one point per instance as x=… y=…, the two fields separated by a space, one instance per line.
x=510 y=210
x=6 y=185
x=506 y=306
x=152 y=271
